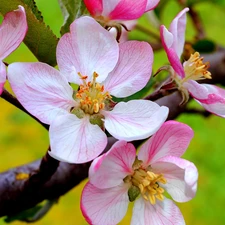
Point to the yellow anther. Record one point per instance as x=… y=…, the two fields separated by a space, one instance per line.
x=91 y=95
x=152 y=199
x=151 y=175
x=195 y=68
x=95 y=75
x=148 y=183
x=160 y=190
x=141 y=187
x=160 y=197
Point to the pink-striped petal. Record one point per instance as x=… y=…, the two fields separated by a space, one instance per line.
x=151 y=4
x=75 y=140
x=94 y=7
x=104 y=206
x=110 y=170
x=162 y=213
x=134 y=120
x=2 y=76
x=41 y=89
x=177 y=29
x=132 y=71
x=12 y=31
x=181 y=176
x=124 y=9
x=211 y=97
x=172 y=138
x=88 y=48
x=167 y=42
x=109 y=6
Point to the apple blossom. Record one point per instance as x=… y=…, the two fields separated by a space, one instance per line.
x=119 y=9
x=119 y=177
x=12 y=32
x=110 y=13
x=90 y=57
x=211 y=97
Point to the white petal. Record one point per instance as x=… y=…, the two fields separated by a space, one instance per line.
x=181 y=176
x=86 y=49
x=171 y=139
x=12 y=31
x=109 y=6
x=135 y=120
x=162 y=213
x=75 y=140
x=177 y=28
x=110 y=169
x=211 y=97
x=151 y=4
x=2 y=76
x=104 y=206
x=166 y=36
x=41 y=89
x=132 y=71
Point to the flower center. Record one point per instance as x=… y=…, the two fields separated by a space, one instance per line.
x=148 y=183
x=195 y=69
x=145 y=182
x=91 y=95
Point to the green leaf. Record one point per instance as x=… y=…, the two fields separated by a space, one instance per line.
x=32 y=214
x=71 y=10
x=204 y=46
x=39 y=39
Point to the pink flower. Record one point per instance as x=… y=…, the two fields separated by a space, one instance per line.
x=211 y=97
x=110 y=13
x=90 y=57
x=118 y=177
x=12 y=32
x=109 y=10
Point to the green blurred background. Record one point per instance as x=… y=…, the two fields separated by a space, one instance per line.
x=23 y=140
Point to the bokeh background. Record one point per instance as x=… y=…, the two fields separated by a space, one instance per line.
x=23 y=140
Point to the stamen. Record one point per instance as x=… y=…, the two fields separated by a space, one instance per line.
x=91 y=95
x=148 y=183
x=196 y=69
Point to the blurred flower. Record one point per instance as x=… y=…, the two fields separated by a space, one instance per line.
x=12 y=32
x=211 y=97
x=110 y=13
x=119 y=177
x=90 y=57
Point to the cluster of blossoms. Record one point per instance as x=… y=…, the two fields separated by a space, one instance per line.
x=90 y=57
x=211 y=97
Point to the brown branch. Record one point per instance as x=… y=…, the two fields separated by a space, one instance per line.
x=197 y=23
x=15 y=196
x=196 y=20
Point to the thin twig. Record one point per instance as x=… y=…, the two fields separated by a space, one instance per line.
x=197 y=22
x=147 y=31
x=197 y=111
